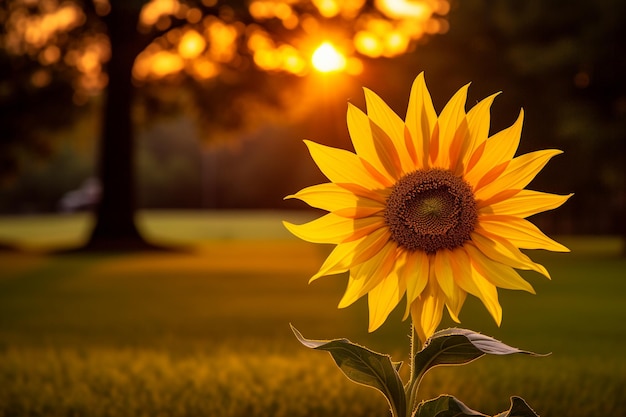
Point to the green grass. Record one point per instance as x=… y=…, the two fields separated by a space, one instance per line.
x=206 y=332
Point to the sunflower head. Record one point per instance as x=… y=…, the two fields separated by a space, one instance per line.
x=429 y=208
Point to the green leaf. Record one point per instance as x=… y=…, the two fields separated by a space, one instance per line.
x=519 y=408
x=365 y=367
x=459 y=346
x=444 y=406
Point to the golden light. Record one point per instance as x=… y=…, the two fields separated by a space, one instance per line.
x=49 y=55
x=368 y=44
x=222 y=39
x=291 y=60
x=399 y=9
x=157 y=64
x=152 y=11
x=327 y=8
x=165 y=63
x=26 y=33
x=191 y=44
x=327 y=58
x=205 y=69
x=396 y=43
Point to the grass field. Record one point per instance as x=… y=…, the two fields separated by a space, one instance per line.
x=205 y=331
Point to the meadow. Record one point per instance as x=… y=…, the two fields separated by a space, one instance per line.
x=204 y=330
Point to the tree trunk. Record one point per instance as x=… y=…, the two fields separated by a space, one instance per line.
x=115 y=227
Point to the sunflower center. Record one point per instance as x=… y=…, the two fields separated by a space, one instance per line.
x=431 y=210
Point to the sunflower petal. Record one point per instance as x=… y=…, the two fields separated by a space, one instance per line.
x=498 y=274
x=331 y=228
x=420 y=119
x=525 y=203
x=381 y=195
x=371 y=143
x=445 y=274
x=503 y=145
x=499 y=150
x=349 y=254
x=381 y=301
x=520 y=232
x=478 y=122
x=341 y=166
x=334 y=198
x=500 y=250
x=382 y=115
x=427 y=310
x=488 y=294
x=518 y=173
x=387 y=149
x=369 y=274
x=355 y=289
x=451 y=123
x=414 y=271
x=474 y=284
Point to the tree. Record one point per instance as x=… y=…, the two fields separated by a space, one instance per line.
x=126 y=43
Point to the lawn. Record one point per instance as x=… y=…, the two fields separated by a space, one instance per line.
x=204 y=331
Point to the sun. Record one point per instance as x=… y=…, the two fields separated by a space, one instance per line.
x=327 y=58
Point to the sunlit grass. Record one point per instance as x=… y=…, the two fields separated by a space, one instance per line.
x=60 y=231
x=206 y=332
x=136 y=382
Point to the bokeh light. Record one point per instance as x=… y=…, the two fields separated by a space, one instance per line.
x=205 y=45
x=191 y=44
x=327 y=58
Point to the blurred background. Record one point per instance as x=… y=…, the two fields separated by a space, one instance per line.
x=129 y=124
x=224 y=92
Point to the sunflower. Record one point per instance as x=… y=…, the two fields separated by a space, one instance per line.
x=430 y=208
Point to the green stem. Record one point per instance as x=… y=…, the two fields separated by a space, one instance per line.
x=414 y=379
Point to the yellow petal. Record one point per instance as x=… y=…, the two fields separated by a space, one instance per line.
x=334 y=198
x=473 y=283
x=480 y=180
x=371 y=144
x=520 y=232
x=526 y=203
x=349 y=254
x=382 y=115
x=458 y=146
x=502 y=146
x=341 y=166
x=355 y=289
x=387 y=150
x=381 y=301
x=498 y=274
x=379 y=195
x=414 y=270
x=331 y=228
x=501 y=250
x=369 y=274
x=488 y=294
x=447 y=268
x=452 y=118
x=420 y=119
x=478 y=122
x=518 y=173
x=499 y=149
x=482 y=205
x=427 y=310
